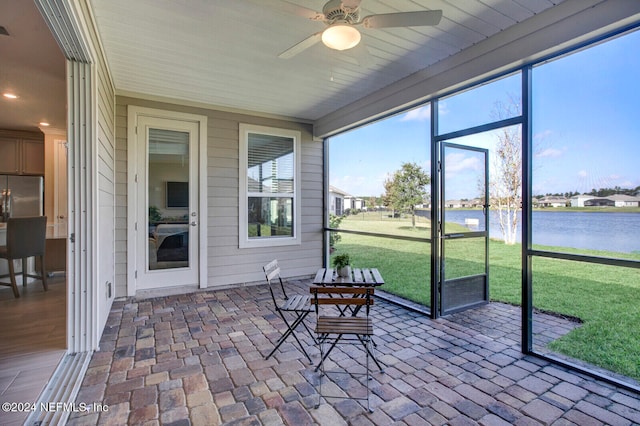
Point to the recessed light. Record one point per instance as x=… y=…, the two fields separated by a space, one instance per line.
x=10 y=95
x=44 y=123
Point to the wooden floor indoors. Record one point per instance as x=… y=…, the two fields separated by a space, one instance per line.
x=32 y=341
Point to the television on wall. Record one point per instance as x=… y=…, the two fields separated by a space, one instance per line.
x=177 y=195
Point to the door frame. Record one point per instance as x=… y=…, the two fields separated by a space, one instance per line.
x=134 y=112
x=442 y=236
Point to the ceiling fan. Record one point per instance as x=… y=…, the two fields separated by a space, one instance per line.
x=342 y=17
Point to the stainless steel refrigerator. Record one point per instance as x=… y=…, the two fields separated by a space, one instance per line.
x=21 y=196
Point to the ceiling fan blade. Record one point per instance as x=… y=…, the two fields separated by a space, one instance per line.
x=362 y=55
x=403 y=19
x=351 y=4
x=295 y=9
x=303 y=45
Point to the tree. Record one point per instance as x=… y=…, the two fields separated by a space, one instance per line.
x=406 y=188
x=334 y=222
x=506 y=182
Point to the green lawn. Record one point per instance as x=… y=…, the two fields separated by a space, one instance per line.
x=605 y=298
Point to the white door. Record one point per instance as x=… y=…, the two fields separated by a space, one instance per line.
x=167 y=213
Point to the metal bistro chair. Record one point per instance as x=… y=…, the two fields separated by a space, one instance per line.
x=331 y=329
x=297 y=305
x=26 y=237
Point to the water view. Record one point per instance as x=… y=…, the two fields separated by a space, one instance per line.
x=616 y=232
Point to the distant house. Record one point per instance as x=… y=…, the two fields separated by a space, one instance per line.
x=354 y=203
x=341 y=201
x=464 y=204
x=599 y=202
x=552 y=201
x=337 y=201
x=622 y=200
x=578 y=200
x=616 y=200
x=477 y=202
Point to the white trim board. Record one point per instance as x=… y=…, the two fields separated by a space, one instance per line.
x=132 y=161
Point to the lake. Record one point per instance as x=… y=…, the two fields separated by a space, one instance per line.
x=618 y=232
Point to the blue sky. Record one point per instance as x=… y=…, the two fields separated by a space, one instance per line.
x=586 y=126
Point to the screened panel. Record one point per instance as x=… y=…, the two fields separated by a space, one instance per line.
x=464 y=257
x=586 y=179
x=464 y=187
x=463 y=204
x=404 y=265
x=588 y=312
x=362 y=160
x=490 y=102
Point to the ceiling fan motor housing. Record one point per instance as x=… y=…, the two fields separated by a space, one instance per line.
x=335 y=12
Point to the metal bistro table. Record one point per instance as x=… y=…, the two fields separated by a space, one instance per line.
x=359 y=277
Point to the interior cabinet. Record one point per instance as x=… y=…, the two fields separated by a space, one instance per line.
x=21 y=153
x=32 y=157
x=9 y=156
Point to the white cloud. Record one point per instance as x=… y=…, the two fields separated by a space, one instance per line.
x=543 y=134
x=360 y=185
x=549 y=152
x=583 y=174
x=460 y=162
x=418 y=114
x=443 y=108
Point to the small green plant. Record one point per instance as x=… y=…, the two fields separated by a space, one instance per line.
x=341 y=260
x=334 y=222
x=154 y=214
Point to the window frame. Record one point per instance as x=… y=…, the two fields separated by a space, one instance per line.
x=243 y=194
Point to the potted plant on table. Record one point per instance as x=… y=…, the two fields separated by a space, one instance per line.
x=341 y=262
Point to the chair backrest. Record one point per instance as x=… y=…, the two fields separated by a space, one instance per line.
x=272 y=272
x=26 y=236
x=334 y=295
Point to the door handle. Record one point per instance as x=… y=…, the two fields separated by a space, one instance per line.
x=194 y=223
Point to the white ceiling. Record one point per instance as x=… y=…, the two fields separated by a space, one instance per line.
x=224 y=53
x=31 y=66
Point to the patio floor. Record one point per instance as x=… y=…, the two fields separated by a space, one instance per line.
x=199 y=359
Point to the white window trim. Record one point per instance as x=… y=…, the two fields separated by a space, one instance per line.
x=243 y=239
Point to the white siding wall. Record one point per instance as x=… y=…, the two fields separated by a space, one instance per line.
x=104 y=203
x=106 y=194
x=227 y=264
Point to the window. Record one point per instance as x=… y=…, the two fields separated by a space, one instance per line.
x=269 y=186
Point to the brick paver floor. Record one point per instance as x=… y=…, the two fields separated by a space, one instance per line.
x=198 y=359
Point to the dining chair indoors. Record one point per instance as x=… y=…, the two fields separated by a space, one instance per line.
x=333 y=327
x=293 y=309
x=25 y=238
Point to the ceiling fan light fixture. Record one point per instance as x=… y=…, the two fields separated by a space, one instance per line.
x=341 y=37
